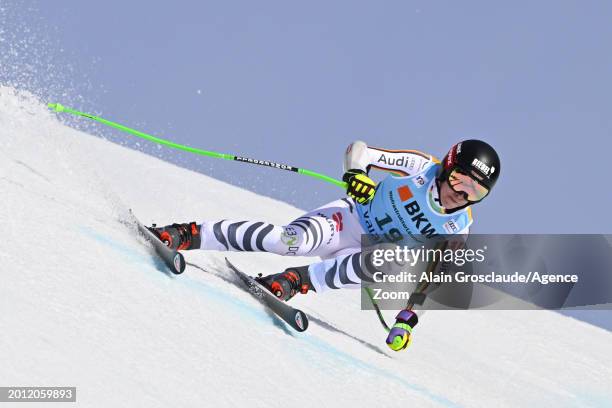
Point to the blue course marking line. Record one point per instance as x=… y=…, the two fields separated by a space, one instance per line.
x=125 y=250
x=313 y=342
x=593 y=400
x=262 y=317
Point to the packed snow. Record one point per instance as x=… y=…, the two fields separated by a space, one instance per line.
x=85 y=303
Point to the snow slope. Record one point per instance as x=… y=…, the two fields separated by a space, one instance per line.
x=85 y=304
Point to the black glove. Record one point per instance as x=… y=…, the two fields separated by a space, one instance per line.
x=360 y=187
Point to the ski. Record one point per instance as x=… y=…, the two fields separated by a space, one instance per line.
x=293 y=317
x=174 y=260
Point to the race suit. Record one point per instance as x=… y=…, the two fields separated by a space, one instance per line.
x=405 y=207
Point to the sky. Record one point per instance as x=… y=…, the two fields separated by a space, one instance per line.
x=296 y=82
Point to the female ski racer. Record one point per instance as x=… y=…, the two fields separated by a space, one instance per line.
x=423 y=197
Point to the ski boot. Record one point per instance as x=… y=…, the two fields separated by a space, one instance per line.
x=286 y=284
x=178 y=236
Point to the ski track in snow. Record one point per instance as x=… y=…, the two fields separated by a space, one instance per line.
x=260 y=315
x=85 y=302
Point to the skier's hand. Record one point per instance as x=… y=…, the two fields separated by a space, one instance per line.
x=360 y=187
x=399 y=336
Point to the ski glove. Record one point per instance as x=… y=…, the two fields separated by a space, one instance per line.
x=360 y=187
x=399 y=336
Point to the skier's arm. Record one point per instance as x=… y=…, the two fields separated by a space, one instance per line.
x=359 y=159
x=347 y=271
x=360 y=156
x=360 y=187
x=399 y=336
x=455 y=242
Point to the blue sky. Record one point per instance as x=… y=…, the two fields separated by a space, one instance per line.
x=296 y=82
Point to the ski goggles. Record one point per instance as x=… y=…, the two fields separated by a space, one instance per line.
x=462 y=182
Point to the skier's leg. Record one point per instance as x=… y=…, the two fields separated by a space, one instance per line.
x=323 y=232
x=344 y=271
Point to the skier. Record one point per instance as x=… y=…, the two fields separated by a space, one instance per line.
x=422 y=197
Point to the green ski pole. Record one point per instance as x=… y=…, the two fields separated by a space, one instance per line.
x=61 y=108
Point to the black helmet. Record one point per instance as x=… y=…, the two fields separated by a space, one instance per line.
x=475 y=159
